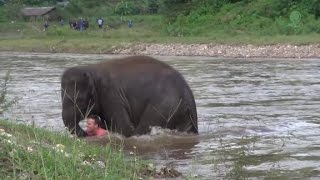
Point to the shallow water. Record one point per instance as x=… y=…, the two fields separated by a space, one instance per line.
x=257 y=118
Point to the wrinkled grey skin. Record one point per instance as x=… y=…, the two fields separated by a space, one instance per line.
x=130 y=95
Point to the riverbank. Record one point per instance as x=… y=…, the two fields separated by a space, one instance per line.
x=220 y=50
x=227 y=50
x=174 y=49
x=27 y=152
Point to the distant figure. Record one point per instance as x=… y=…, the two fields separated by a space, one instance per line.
x=81 y=24
x=71 y=24
x=100 y=23
x=85 y=23
x=46 y=25
x=94 y=126
x=130 y=23
x=61 y=22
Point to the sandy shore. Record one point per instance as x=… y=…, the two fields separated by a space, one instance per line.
x=216 y=50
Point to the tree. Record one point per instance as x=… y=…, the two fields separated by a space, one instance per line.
x=153 y=6
x=126 y=7
x=173 y=8
x=2 y=2
x=13 y=9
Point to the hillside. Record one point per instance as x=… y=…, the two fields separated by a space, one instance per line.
x=216 y=22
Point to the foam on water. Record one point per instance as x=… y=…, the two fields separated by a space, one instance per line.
x=268 y=109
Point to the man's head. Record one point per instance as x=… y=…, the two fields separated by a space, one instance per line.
x=93 y=123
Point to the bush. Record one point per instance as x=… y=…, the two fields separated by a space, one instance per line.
x=261 y=17
x=12 y=10
x=2 y=15
x=125 y=8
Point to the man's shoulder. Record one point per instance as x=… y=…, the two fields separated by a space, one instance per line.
x=102 y=132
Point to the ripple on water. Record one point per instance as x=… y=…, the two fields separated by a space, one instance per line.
x=266 y=112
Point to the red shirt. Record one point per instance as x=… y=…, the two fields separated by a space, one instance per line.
x=99 y=132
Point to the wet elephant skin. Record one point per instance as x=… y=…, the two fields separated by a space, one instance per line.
x=130 y=95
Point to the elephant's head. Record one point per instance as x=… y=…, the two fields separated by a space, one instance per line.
x=78 y=97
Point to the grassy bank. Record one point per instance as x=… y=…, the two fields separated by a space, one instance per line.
x=260 y=22
x=30 y=37
x=27 y=152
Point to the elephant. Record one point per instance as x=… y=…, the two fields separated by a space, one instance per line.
x=130 y=94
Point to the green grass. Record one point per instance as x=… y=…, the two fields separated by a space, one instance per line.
x=32 y=153
x=29 y=36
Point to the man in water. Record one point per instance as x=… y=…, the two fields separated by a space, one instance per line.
x=94 y=126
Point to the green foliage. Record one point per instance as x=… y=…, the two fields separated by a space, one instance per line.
x=126 y=7
x=135 y=7
x=12 y=9
x=40 y=2
x=103 y=8
x=174 y=8
x=192 y=17
x=153 y=6
x=56 y=31
x=2 y=15
x=236 y=17
x=94 y=8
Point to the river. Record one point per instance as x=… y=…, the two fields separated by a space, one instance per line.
x=257 y=117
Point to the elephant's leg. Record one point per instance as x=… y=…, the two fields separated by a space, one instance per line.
x=119 y=120
x=182 y=122
x=174 y=117
x=152 y=116
x=117 y=108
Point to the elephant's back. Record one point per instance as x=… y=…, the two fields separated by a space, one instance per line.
x=145 y=69
x=74 y=74
x=136 y=68
x=137 y=63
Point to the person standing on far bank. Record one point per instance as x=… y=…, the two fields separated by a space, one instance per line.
x=130 y=23
x=81 y=24
x=100 y=22
x=46 y=25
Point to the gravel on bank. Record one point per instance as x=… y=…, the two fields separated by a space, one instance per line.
x=216 y=50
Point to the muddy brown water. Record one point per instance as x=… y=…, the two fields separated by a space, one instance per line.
x=257 y=117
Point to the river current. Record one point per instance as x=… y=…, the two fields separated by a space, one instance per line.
x=257 y=117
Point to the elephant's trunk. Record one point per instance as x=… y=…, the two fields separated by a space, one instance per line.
x=71 y=118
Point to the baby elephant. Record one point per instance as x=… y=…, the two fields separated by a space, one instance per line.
x=130 y=94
